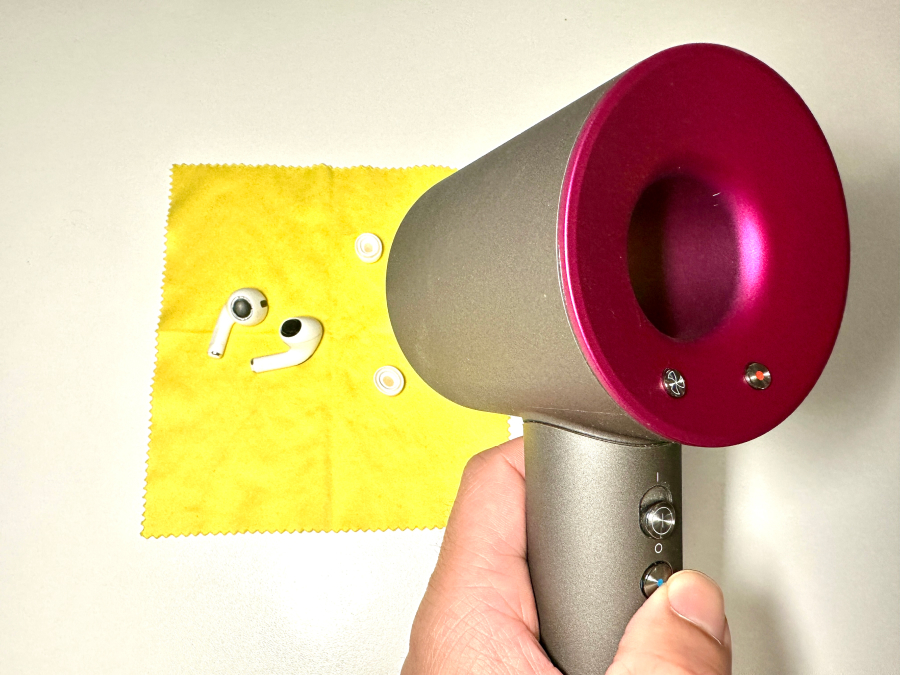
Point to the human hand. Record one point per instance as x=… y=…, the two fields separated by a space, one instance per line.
x=478 y=614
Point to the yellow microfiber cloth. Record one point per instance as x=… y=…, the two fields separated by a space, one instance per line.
x=309 y=447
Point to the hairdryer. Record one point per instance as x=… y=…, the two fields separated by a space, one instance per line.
x=663 y=261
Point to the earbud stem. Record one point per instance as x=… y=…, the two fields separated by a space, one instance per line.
x=220 y=334
x=292 y=357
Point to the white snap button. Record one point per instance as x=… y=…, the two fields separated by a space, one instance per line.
x=389 y=380
x=368 y=247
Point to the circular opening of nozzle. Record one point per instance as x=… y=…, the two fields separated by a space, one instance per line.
x=683 y=256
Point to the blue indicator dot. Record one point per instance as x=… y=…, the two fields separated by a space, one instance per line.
x=660 y=582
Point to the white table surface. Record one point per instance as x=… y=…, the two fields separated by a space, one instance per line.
x=98 y=99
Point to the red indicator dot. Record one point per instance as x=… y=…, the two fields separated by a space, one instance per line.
x=760 y=375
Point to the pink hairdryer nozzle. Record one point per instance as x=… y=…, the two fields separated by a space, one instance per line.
x=703 y=193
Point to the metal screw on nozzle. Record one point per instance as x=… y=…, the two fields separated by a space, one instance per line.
x=674 y=383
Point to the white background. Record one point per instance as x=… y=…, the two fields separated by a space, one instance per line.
x=97 y=100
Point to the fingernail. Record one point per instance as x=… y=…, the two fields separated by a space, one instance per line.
x=698 y=599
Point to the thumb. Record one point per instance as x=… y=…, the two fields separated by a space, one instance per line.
x=681 y=628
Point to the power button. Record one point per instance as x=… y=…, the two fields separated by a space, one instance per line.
x=658 y=517
x=658 y=521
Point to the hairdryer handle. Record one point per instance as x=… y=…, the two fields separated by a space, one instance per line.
x=587 y=548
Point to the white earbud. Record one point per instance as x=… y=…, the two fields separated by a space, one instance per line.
x=302 y=334
x=246 y=306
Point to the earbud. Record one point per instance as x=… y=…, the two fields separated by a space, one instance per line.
x=246 y=306
x=302 y=334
